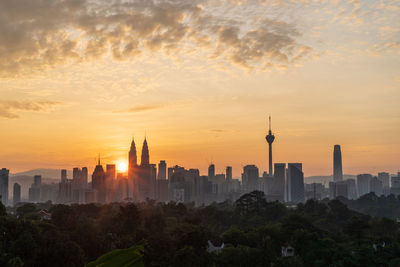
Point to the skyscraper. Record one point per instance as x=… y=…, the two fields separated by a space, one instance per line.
x=16 y=194
x=250 y=178
x=132 y=155
x=145 y=154
x=63 y=176
x=376 y=186
x=229 y=173
x=337 y=164
x=84 y=177
x=34 y=190
x=278 y=185
x=111 y=171
x=4 y=186
x=385 y=178
x=211 y=171
x=295 y=183
x=98 y=182
x=363 y=184
x=162 y=170
x=270 y=139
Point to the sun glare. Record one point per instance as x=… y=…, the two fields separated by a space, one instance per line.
x=122 y=166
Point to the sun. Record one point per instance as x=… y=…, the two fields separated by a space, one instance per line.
x=122 y=166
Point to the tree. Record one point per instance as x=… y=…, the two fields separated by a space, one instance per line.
x=251 y=203
x=130 y=257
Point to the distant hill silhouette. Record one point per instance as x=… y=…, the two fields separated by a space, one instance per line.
x=48 y=173
x=25 y=179
x=325 y=179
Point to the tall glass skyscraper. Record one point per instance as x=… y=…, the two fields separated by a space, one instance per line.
x=337 y=164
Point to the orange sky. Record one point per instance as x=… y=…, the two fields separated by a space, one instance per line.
x=200 y=79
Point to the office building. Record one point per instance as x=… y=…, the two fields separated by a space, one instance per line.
x=295 y=183
x=4 y=173
x=277 y=191
x=395 y=182
x=162 y=170
x=211 y=171
x=34 y=190
x=342 y=189
x=376 y=186
x=63 y=176
x=250 y=177
x=385 y=178
x=337 y=164
x=99 y=183
x=228 y=173
x=363 y=184
x=16 y=194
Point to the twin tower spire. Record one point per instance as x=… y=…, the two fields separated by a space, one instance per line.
x=133 y=156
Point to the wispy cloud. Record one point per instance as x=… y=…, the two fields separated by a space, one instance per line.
x=10 y=109
x=249 y=33
x=141 y=108
x=43 y=33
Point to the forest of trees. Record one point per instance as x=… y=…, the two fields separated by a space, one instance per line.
x=325 y=233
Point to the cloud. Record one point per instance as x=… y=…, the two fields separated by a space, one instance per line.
x=9 y=109
x=39 y=34
x=141 y=108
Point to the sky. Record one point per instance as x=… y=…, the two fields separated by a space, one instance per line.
x=199 y=79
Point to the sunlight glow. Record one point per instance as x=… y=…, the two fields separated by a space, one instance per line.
x=122 y=166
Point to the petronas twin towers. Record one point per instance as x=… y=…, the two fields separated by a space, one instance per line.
x=142 y=178
x=145 y=160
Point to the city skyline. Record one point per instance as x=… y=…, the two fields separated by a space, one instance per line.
x=122 y=163
x=139 y=181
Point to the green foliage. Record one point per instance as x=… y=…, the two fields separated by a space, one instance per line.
x=130 y=257
x=3 y=211
x=253 y=231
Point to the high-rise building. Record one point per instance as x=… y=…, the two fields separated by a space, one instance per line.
x=76 y=175
x=337 y=164
x=84 y=177
x=342 y=189
x=228 y=173
x=211 y=171
x=270 y=139
x=37 y=180
x=385 y=178
x=99 y=182
x=16 y=194
x=64 y=188
x=34 y=190
x=4 y=186
x=376 y=186
x=144 y=177
x=250 y=177
x=332 y=190
x=278 y=186
x=111 y=171
x=145 y=154
x=162 y=170
x=132 y=172
x=363 y=184
x=295 y=183
x=132 y=155
x=352 y=189
x=395 y=182
x=63 y=175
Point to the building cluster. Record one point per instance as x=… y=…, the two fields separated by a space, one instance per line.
x=283 y=182
x=382 y=184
